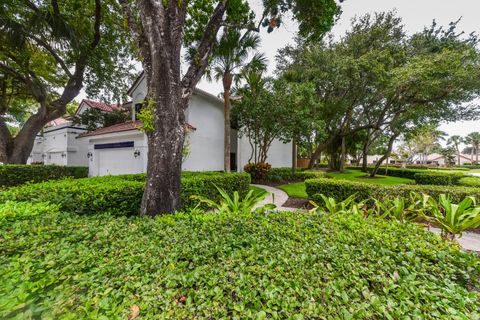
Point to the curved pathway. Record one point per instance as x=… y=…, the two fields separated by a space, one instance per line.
x=275 y=196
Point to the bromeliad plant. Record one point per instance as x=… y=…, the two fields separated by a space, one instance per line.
x=332 y=206
x=235 y=204
x=399 y=208
x=452 y=218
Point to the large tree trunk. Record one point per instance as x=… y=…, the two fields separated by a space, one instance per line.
x=16 y=150
x=343 y=156
x=162 y=190
x=294 y=155
x=458 y=155
x=385 y=156
x=160 y=38
x=318 y=152
x=227 y=84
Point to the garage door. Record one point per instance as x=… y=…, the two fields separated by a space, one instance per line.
x=116 y=161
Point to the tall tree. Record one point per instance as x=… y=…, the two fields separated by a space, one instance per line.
x=474 y=140
x=456 y=141
x=50 y=50
x=230 y=58
x=162 y=29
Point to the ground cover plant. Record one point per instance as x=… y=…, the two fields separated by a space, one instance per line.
x=279 y=266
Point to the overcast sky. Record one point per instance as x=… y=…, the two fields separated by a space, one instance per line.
x=416 y=14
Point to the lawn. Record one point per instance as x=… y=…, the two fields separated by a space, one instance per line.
x=263 y=266
x=297 y=190
x=359 y=176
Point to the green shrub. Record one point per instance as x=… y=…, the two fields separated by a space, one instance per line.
x=14 y=210
x=121 y=195
x=258 y=171
x=439 y=178
x=275 y=266
x=342 y=189
x=393 y=171
x=287 y=175
x=473 y=182
x=14 y=175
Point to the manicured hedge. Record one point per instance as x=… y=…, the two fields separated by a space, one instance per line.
x=274 y=266
x=287 y=175
x=439 y=178
x=342 y=189
x=120 y=195
x=470 y=182
x=14 y=175
x=394 y=172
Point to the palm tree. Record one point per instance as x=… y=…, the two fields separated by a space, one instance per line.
x=456 y=140
x=474 y=140
x=230 y=57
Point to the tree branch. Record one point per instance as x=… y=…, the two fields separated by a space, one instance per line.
x=52 y=52
x=204 y=50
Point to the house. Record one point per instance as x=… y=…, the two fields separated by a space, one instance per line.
x=123 y=148
x=439 y=160
x=58 y=144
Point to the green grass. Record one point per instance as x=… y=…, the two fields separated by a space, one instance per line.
x=359 y=176
x=295 y=190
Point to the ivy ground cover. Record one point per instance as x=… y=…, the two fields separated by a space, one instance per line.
x=276 y=266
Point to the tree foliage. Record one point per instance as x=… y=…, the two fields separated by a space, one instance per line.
x=50 y=51
x=380 y=81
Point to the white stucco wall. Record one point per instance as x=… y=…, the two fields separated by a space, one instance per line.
x=279 y=154
x=205 y=113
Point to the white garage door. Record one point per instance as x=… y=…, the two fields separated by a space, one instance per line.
x=116 y=161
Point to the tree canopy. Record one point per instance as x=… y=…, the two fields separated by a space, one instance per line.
x=50 y=51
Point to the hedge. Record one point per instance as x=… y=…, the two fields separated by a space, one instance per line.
x=274 y=266
x=14 y=175
x=439 y=178
x=470 y=182
x=393 y=171
x=285 y=175
x=342 y=189
x=120 y=195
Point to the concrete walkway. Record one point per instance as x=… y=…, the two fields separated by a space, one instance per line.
x=275 y=196
x=468 y=241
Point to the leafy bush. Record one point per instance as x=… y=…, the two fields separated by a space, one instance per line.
x=275 y=266
x=470 y=182
x=14 y=175
x=439 y=178
x=287 y=175
x=394 y=171
x=121 y=195
x=14 y=210
x=258 y=171
x=342 y=189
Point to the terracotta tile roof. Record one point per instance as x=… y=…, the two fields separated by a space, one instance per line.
x=120 y=127
x=57 y=122
x=102 y=106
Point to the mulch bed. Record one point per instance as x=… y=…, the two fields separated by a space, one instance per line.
x=297 y=203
